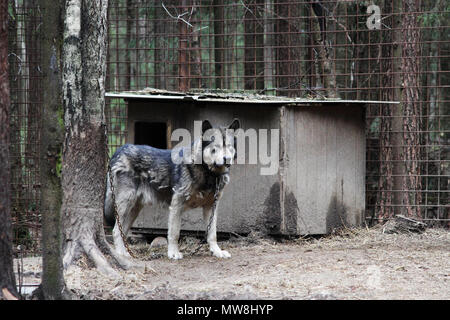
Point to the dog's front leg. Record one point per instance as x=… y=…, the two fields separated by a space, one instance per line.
x=173 y=234
x=212 y=232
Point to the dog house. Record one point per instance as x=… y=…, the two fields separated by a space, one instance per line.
x=320 y=181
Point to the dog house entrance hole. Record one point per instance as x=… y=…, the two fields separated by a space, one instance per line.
x=153 y=134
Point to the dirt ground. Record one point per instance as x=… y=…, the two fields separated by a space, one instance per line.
x=352 y=264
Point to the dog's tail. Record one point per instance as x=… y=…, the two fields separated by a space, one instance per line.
x=108 y=211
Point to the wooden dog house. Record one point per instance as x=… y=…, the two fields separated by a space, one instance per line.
x=320 y=184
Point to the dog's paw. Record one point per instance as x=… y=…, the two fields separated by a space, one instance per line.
x=174 y=254
x=223 y=254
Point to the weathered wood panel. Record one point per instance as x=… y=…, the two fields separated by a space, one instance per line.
x=328 y=163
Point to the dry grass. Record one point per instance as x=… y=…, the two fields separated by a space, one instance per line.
x=349 y=264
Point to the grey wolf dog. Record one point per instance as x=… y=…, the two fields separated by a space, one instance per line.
x=143 y=175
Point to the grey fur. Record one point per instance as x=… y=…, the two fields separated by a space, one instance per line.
x=144 y=175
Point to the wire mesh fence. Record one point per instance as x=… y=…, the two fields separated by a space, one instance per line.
x=384 y=50
x=388 y=50
x=24 y=60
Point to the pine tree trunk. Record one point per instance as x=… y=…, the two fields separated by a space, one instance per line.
x=385 y=197
x=400 y=182
x=84 y=152
x=411 y=108
x=398 y=168
x=7 y=281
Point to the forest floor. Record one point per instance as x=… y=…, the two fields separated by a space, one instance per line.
x=350 y=264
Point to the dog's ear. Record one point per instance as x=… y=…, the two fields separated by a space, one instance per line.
x=206 y=125
x=235 y=124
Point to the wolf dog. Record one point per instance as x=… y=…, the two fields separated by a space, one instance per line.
x=143 y=175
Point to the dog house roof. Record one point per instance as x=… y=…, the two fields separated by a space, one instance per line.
x=230 y=97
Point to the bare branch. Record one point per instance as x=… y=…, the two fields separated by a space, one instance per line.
x=179 y=17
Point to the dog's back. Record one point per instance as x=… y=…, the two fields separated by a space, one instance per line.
x=140 y=172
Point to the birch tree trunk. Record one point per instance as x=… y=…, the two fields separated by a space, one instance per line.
x=84 y=151
x=7 y=281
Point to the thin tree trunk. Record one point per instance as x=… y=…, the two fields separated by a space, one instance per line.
x=411 y=107
x=52 y=133
x=7 y=280
x=195 y=54
x=34 y=92
x=20 y=80
x=254 y=45
x=327 y=69
x=268 y=64
x=183 y=69
x=17 y=206
x=129 y=48
x=385 y=196
x=219 y=44
x=84 y=151
x=159 y=27
x=398 y=168
x=282 y=55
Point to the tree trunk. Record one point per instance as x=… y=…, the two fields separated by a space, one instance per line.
x=400 y=183
x=219 y=44
x=398 y=169
x=282 y=55
x=84 y=151
x=183 y=71
x=268 y=38
x=195 y=54
x=7 y=281
x=34 y=92
x=385 y=196
x=20 y=85
x=254 y=45
x=160 y=52
x=17 y=206
x=411 y=108
x=327 y=69
x=52 y=133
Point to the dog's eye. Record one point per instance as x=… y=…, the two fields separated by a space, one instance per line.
x=213 y=150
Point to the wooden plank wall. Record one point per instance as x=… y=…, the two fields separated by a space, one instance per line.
x=320 y=184
x=326 y=167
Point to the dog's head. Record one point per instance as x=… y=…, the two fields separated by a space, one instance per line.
x=219 y=145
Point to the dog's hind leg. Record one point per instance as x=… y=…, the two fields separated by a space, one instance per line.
x=212 y=233
x=125 y=202
x=173 y=233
